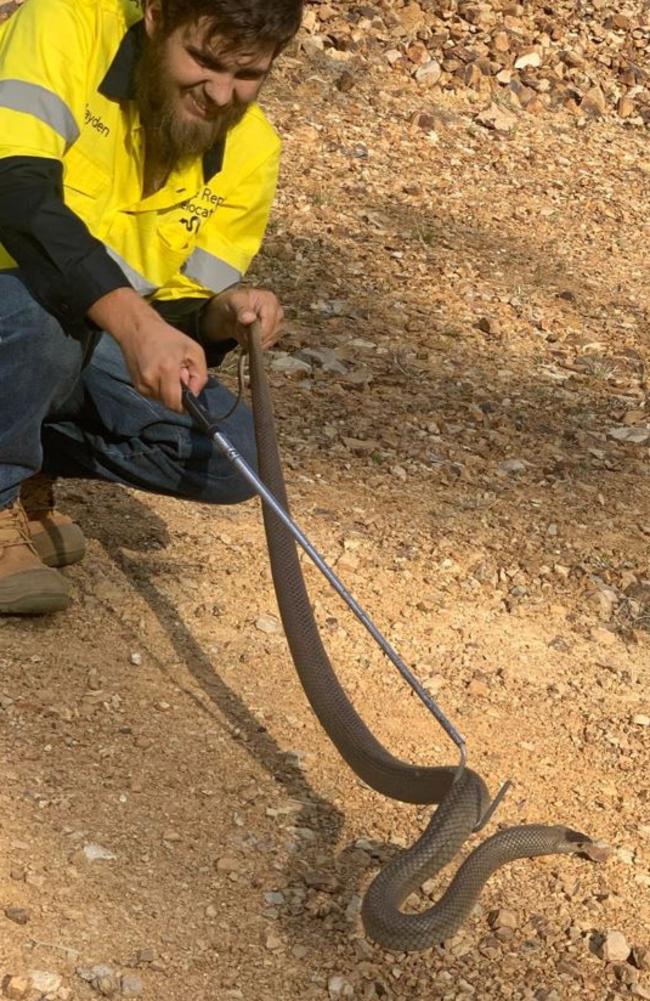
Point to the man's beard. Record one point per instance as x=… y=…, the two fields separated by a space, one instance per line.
x=169 y=137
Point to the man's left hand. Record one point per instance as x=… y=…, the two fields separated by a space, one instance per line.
x=232 y=313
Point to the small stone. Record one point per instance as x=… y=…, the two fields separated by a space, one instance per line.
x=211 y=911
x=131 y=985
x=513 y=466
x=593 y=103
x=91 y=973
x=338 y=987
x=601 y=635
x=283 y=362
x=625 y=106
x=97 y=853
x=228 y=864
x=614 y=948
x=15 y=988
x=429 y=73
x=641 y=719
x=321 y=881
x=503 y=919
x=630 y=435
x=345 y=82
x=268 y=624
x=107 y=986
x=273 y=941
x=45 y=982
x=19 y=915
x=171 y=836
x=529 y=58
x=489 y=325
x=497 y=119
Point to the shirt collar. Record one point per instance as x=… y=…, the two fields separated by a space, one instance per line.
x=119 y=85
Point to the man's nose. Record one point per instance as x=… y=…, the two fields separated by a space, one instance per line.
x=219 y=88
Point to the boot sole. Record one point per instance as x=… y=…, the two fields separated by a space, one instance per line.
x=60 y=547
x=33 y=592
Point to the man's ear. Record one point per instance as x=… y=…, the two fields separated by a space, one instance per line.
x=152 y=16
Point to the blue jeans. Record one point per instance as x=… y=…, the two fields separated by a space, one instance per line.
x=68 y=407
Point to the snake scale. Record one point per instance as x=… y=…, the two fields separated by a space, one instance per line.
x=462 y=798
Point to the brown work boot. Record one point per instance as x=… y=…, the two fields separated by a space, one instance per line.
x=55 y=537
x=26 y=585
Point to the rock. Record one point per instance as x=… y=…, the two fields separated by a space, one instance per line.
x=601 y=635
x=131 y=985
x=321 y=881
x=273 y=941
x=97 y=853
x=338 y=987
x=429 y=72
x=641 y=719
x=283 y=362
x=593 y=103
x=90 y=973
x=227 y=863
x=513 y=466
x=19 y=915
x=632 y=435
x=614 y=948
x=47 y=983
x=625 y=106
x=640 y=957
x=268 y=624
x=345 y=82
x=503 y=919
x=489 y=325
x=529 y=58
x=107 y=986
x=496 y=118
x=16 y=988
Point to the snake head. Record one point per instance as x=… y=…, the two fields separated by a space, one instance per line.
x=580 y=844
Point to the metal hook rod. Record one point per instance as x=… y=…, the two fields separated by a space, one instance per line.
x=195 y=409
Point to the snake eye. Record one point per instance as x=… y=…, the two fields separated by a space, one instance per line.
x=575 y=837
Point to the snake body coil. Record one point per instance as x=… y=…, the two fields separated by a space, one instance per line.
x=462 y=801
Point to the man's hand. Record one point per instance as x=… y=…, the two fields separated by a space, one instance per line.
x=159 y=357
x=231 y=314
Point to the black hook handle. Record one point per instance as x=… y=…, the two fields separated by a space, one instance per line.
x=198 y=412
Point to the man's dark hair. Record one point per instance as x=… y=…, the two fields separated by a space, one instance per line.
x=242 y=24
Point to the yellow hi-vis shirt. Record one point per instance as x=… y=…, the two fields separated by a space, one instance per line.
x=66 y=94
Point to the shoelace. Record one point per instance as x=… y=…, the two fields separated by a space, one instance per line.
x=14 y=530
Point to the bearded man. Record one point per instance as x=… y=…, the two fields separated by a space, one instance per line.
x=137 y=174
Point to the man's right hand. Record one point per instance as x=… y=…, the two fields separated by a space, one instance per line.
x=158 y=356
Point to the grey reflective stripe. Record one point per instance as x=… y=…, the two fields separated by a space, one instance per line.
x=42 y=104
x=138 y=281
x=211 y=271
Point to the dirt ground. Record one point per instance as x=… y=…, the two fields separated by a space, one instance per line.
x=468 y=444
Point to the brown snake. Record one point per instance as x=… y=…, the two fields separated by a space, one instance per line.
x=462 y=800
